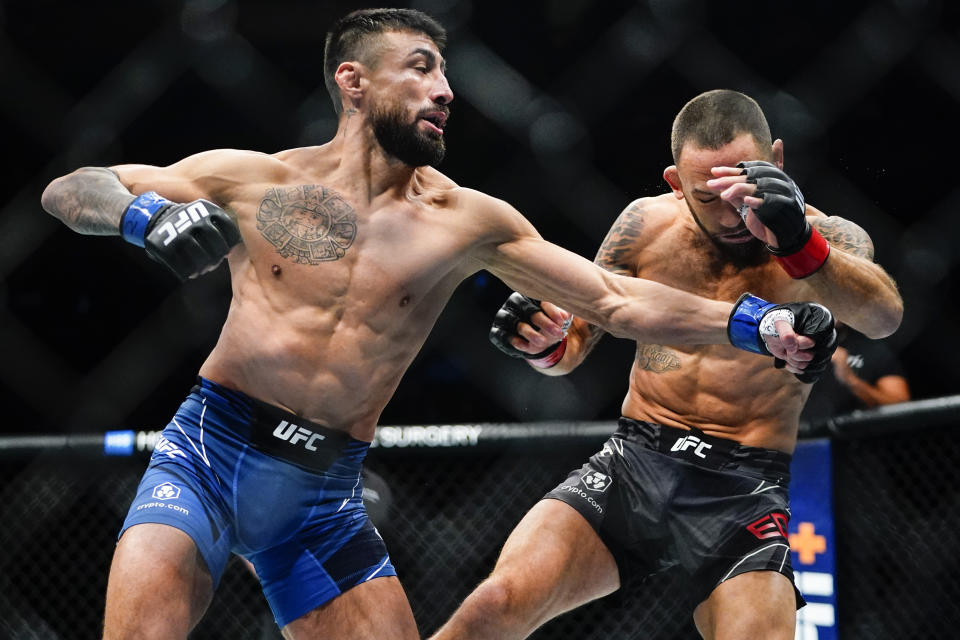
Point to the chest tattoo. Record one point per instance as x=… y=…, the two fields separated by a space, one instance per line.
x=656 y=358
x=309 y=224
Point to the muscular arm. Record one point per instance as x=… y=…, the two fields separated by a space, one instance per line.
x=180 y=228
x=91 y=200
x=626 y=307
x=856 y=289
x=617 y=254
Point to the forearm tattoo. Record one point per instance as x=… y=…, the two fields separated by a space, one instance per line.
x=656 y=358
x=309 y=224
x=91 y=201
x=845 y=235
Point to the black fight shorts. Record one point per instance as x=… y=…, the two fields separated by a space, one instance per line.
x=663 y=498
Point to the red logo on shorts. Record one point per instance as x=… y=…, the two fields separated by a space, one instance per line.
x=773 y=525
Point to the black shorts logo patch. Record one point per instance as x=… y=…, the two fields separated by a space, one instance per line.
x=596 y=481
x=772 y=525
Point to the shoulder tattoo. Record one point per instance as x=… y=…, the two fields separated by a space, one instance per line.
x=845 y=235
x=618 y=247
x=656 y=358
x=309 y=224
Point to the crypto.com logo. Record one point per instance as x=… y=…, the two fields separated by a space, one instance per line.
x=166 y=491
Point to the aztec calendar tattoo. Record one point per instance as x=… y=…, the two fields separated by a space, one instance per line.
x=309 y=224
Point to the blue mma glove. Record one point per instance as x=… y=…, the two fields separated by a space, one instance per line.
x=752 y=318
x=189 y=239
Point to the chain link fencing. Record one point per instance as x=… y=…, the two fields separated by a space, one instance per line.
x=445 y=513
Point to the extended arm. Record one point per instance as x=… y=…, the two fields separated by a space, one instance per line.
x=616 y=255
x=633 y=308
x=648 y=311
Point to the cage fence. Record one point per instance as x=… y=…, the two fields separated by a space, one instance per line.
x=445 y=514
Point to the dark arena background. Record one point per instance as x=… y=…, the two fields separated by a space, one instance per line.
x=563 y=108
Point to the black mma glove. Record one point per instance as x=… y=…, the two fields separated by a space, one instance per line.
x=519 y=308
x=752 y=318
x=801 y=249
x=189 y=239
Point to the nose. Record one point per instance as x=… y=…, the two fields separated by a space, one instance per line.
x=730 y=217
x=442 y=93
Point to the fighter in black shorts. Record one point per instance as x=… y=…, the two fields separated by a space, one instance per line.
x=696 y=476
x=661 y=497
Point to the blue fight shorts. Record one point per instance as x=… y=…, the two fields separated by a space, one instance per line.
x=239 y=475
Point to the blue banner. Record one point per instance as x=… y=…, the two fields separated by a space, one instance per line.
x=812 y=540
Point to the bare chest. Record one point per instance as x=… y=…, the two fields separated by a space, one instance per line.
x=698 y=267
x=324 y=247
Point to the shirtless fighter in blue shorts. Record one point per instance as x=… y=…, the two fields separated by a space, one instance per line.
x=696 y=475
x=341 y=258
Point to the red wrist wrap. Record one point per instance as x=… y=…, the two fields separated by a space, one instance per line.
x=551 y=358
x=807 y=260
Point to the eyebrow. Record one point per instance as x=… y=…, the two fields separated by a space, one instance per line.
x=430 y=56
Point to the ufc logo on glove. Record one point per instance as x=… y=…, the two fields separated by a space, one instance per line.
x=184 y=220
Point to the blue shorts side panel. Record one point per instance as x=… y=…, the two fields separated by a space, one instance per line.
x=167 y=495
x=302 y=576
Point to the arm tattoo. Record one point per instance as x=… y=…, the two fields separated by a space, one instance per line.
x=845 y=235
x=90 y=200
x=656 y=358
x=309 y=224
x=615 y=255
x=617 y=249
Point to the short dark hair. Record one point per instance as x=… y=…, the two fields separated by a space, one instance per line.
x=715 y=118
x=350 y=39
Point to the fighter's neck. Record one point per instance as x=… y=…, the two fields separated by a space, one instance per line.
x=365 y=165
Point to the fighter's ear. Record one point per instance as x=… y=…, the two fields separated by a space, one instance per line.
x=672 y=176
x=777 y=148
x=349 y=77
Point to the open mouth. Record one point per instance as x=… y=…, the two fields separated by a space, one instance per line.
x=435 y=120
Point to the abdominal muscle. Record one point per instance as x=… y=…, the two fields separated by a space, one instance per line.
x=718 y=389
x=324 y=363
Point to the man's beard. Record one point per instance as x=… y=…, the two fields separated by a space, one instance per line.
x=404 y=141
x=740 y=254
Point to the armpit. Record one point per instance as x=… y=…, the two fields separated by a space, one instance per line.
x=844 y=235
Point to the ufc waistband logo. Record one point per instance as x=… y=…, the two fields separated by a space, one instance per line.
x=294 y=435
x=773 y=525
x=185 y=219
x=691 y=442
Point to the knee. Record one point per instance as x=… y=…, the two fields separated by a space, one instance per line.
x=502 y=599
x=494 y=596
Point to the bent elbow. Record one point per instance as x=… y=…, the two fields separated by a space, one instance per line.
x=48 y=198
x=886 y=322
x=54 y=198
